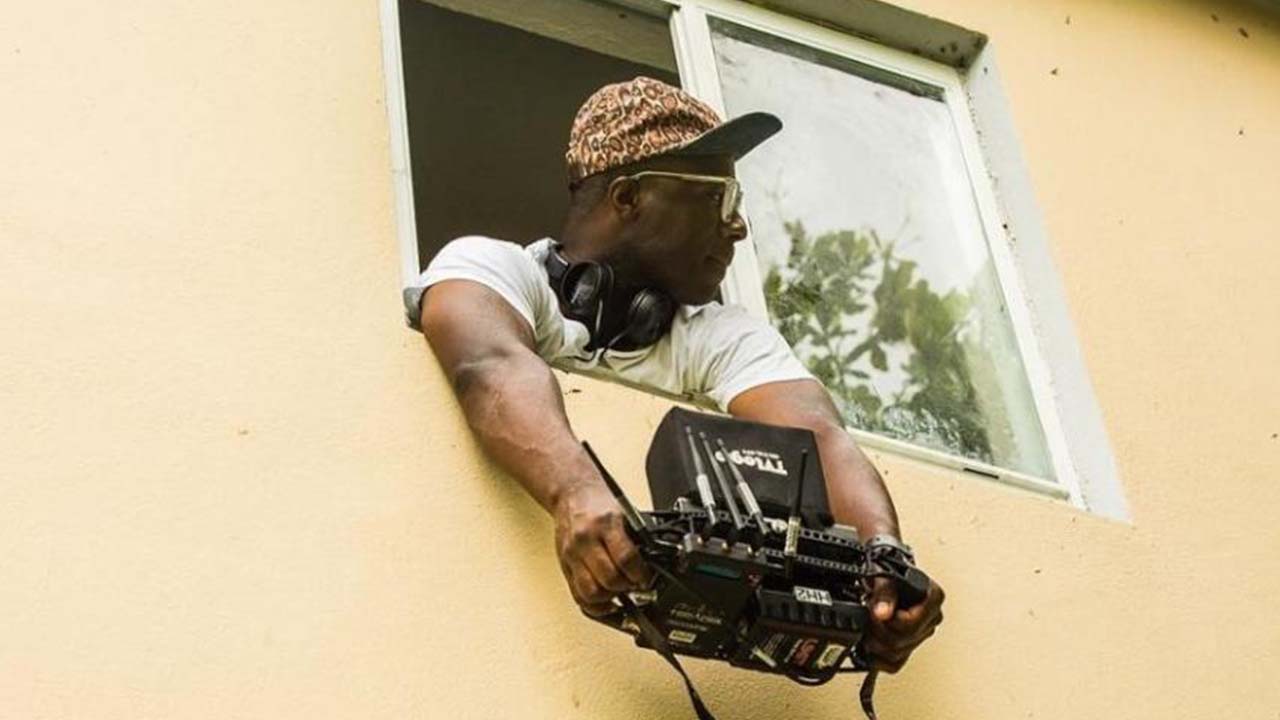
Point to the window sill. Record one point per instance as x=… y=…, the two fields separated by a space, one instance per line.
x=999 y=475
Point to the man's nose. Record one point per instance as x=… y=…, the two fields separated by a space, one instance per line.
x=736 y=229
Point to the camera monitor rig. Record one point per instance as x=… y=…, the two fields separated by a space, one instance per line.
x=749 y=567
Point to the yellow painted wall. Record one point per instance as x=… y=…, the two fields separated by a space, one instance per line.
x=232 y=484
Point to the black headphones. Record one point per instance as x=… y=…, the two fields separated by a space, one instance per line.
x=616 y=318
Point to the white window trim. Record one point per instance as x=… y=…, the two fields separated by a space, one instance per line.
x=1092 y=482
x=742 y=285
x=398 y=117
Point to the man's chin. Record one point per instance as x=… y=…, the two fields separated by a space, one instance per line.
x=700 y=291
x=703 y=296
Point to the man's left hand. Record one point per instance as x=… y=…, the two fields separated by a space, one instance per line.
x=895 y=632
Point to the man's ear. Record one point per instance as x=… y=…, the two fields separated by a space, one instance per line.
x=623 y=196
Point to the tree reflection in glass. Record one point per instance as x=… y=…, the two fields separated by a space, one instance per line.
x=873 y=252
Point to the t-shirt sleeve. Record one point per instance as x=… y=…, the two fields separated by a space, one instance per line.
x=501 y=266
x=736 y=352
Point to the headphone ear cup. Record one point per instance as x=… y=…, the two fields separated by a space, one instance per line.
x=648 y=318
x=583 y=288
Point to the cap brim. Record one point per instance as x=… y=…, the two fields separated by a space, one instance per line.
x=736 y=137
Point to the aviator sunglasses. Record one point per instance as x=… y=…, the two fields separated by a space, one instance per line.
x=730 y=198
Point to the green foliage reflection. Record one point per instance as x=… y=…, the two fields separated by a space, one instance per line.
x=845 y=296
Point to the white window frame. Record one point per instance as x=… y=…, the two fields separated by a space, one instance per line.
x=1090 y=482
x=398 y=118
x=742 y=285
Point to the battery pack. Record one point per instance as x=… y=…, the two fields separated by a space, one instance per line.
x=803 y=630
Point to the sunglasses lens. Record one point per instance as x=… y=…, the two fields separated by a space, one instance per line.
x=732 y=201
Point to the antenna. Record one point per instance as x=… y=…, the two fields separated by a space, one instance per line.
x=793 y=522
x=748 y=497
x=704 y=485
x=628 y=510
x=723 y=482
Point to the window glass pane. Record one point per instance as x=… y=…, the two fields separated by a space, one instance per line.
x=873 y=254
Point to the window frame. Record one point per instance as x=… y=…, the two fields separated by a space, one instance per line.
x=398 y=140
x=743 y=285
x=1085 y=464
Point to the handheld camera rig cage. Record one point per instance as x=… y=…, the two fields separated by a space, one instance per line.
x=748 y=566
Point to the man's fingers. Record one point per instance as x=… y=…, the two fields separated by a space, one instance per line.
x=583 y=586
x=885 y=657
x=586 y=548
x=587 y=593
x=598 y=609
x=923 y=615
x=882 y=639
x=598 y=559
x=907 y=620
x=889 y=666
x=884 y=598
x=587 y=590
x=914 y=618
x=898 y=635
x=626 y=556
x=601 y=566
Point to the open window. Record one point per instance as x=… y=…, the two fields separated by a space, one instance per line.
x=879 y=247
x=491 y=89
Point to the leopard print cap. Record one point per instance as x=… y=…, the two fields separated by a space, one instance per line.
x=631 y=121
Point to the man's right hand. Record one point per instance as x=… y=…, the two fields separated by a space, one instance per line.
x=598 y=559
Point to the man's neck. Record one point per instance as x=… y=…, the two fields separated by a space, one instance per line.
x=588 y=243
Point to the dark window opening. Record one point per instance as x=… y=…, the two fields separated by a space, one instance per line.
x=489 y=109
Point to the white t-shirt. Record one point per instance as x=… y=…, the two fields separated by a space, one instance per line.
x=712 y=353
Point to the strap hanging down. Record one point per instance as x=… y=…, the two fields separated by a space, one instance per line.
x=868 y=689
x=659 y=643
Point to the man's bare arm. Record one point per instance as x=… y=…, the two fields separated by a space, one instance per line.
x=509 y=396
x=858 y=497
x=857 y=493
x=514 y=406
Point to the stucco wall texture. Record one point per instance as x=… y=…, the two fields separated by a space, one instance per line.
x=233 y=485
